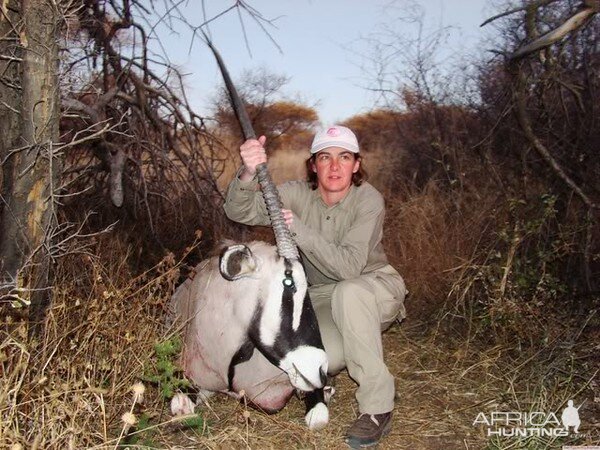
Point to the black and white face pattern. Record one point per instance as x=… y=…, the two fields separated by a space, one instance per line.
x=283 y=325
x=285 y=328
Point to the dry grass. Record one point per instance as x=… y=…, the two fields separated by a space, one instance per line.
x=70 y=388
x=443 y=382
x=431 y=241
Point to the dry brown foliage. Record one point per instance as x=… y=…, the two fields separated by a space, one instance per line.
x=70 y=388
x=426 y=240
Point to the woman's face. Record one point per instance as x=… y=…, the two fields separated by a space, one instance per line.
x=334 y=167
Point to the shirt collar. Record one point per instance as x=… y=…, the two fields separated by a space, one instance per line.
x=341 y=203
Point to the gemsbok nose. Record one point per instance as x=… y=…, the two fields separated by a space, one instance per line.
x=306 y=367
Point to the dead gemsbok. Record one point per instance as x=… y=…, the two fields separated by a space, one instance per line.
x=248 y=324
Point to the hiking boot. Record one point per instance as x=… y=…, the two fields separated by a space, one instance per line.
x=368 y=429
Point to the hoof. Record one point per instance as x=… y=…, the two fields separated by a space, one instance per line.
x=317 y=417
x=328 y=392
x=203 y=396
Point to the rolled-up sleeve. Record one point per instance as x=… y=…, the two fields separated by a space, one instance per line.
x=244 y=202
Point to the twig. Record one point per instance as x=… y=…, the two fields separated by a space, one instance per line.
x=517 y=9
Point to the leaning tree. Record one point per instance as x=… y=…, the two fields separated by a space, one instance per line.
x=29 y=152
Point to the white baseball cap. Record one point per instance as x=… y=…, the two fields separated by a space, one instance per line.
x=334 y=136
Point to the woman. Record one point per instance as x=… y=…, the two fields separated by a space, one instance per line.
x=336 y=219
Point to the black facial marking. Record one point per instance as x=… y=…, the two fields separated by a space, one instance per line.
x=309 y=327
x=308 y=332
x=287 y=300
x=254 y=335
x=312 y=398
x=243 y=354
x=287 y=339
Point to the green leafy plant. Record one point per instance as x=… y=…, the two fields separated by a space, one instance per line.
x=163 y=370
x=196 y=423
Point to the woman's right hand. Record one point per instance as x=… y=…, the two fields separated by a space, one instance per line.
x=253 y=153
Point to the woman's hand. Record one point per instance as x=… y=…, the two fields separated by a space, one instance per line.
x=288 y=216
x=253 y=153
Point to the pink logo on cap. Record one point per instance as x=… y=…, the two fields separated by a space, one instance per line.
x=333 y=132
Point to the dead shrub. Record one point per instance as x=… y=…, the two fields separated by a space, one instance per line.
x=429 y=241
x=70 y=388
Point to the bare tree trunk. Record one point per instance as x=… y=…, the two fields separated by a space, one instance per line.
x=10 y=117
x=31 y=168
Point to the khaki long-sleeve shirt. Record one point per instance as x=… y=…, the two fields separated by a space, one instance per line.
x=338 y=242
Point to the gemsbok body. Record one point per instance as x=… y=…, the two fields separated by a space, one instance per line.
x=249 y=327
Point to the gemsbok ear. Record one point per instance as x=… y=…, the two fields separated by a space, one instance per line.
x=236 y=261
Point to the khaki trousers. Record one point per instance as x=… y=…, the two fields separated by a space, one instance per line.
x=352 y=315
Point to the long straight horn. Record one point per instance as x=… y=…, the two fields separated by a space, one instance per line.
x=285 y=245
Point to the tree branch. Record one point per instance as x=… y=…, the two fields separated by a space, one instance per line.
x=525 y=122
x=517 y=9
x=549 y=38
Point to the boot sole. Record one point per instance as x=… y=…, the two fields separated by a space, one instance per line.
x=352 y=443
